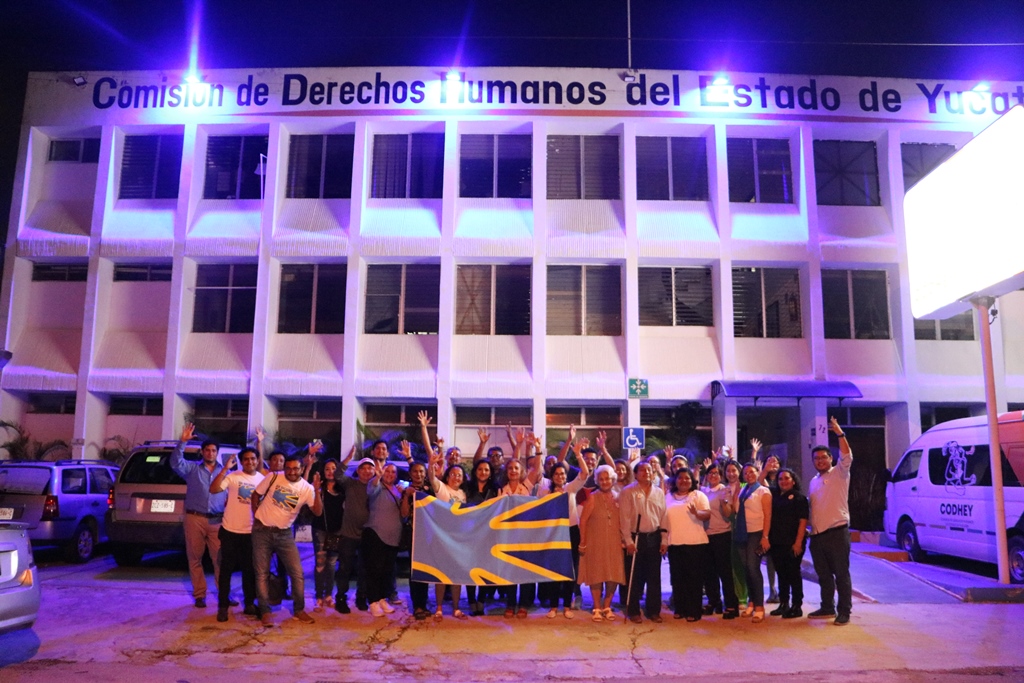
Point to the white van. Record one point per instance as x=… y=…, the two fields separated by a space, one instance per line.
x=939 y=497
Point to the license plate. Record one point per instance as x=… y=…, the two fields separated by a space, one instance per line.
x=161 y=506
x=6 y=513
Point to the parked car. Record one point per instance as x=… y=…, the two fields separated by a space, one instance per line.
x=19 y=578
x=939 y=496
x=147 y=503
x=63 y=502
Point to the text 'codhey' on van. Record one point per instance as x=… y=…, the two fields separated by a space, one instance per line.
x=939 y=498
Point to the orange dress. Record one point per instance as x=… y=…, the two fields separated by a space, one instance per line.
x=603 y=560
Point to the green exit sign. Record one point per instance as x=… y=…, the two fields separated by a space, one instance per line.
x=638 y=388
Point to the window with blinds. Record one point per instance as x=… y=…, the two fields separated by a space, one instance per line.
x=224 y=420
x=150 y=166
x=407 y=166
x=583 y=167
x=402 y=299
x=233 y=166
x=81 y=150
x=675 y=297
x=320 y=166
x=225 y=298
x=492 y=300
x=920 y=159
x=60 y=272
x=766 y=302
x=584 y=300
x=312 y=298
x=143 y=272
x=760 y=170
x=495 y=166
x=846 y=173
x=671 y=169
x=856 y=304
x=136 y=405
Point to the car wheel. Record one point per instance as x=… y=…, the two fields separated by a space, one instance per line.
x=1015 y=544
x=82 y=544
x=906 y=536
x=127 y=555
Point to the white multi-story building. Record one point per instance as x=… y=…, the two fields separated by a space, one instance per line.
x=306 y=249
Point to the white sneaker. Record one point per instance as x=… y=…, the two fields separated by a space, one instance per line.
x=386 y=607
x=376 y=610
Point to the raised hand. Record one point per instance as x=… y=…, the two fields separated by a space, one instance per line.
x=261 y=434
x=756 y=445
x=406 y=451
x=316 y=481
x=424 y=418
x=833 y=424
x=483 y=435
x=187 y=431
x=231 y=462
x=572 y=432
x=707 y=463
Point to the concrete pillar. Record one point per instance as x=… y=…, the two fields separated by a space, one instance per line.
x=813 y=429
x=723 y=422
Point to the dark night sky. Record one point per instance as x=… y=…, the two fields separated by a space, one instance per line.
x=975 y=39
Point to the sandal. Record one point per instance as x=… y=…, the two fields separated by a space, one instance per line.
x=747 y=611
x=598 y=615
x=509 y=613
x=608 y=614
x=552 y=613
x=459 y=614
x=319 y=606
x=568 y=613
x=329 y=602
x=438 y=616
x=758 y=617
x=521 y=614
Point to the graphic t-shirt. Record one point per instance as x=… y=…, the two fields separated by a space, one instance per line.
x=281 y=500
x=238 y=508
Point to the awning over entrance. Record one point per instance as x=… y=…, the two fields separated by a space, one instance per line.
x=783 y=389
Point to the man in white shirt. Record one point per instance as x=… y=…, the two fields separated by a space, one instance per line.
x=641 y=524
x=236 y=530
x=277 y=502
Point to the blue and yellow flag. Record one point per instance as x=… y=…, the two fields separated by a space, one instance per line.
x=513 y=539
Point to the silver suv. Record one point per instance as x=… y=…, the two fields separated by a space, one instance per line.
x=63 y=503
x=147 y=504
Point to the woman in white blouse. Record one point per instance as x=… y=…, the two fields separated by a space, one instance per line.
x=753 y=524
x=686 y=510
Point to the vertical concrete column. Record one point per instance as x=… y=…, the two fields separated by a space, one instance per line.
x=723 y=423
x=721 y=273
x=813 y=430
x=268 y=279
x=539 y=277
x=179 y=320
x=355 y=285
x=631 y=289
x=814 y=320
x=446 y=319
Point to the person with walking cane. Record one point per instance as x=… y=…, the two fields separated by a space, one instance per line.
x=642 y=512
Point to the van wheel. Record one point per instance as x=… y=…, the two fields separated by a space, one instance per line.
x=80 y=548
x=127 y=555
x=906 y=536
x=1016 y=548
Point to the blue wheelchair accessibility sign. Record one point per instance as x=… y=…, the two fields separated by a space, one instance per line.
x=633 y=437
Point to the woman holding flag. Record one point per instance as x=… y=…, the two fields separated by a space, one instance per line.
x=559 y=484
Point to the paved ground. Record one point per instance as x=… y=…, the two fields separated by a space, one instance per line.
x=104 y=623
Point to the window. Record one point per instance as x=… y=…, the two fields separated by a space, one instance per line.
x=60 y=272
x=301 y=421
x=225 y=298
x=72 y=480
x=957 y=466
x=585 y=300
x=403 y=299
x=492 y=300
x=491 y=419
x=920 y=159
x=142 y=272
x=669 y=424
x=766 y=302
x=224 y=420
x=589 y=420
x=671 y=168
x=151 y=166
x=496 y=166
x=51 y=404
x=83 y=150
x=312 y=299
x=907 y=469
x=846 y=173
x=233 y=165
x=856 y=304
x=675 y=296
x=759 y=171
x=137 y=405
x=320 y=166
x=959 y=327
x=583 y=167
x=408 y=166
x=394 y=422
x=100 y=480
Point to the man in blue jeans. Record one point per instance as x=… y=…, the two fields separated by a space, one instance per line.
x=277 y=502
x=829 y=495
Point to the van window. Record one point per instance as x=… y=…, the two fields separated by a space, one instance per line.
x=956 y=467
x=99 y=480
x=24 y=480
x=907 y=469
x=73 y=481
x=152 y=467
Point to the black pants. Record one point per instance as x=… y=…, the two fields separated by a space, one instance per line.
x=235 y=555
x=347 y=550
x=830 y=551
x=686 y=565
x=646 y=573
x=787 y=568
x=718 y=581
x=526 y=592
x=379 y=562
x=418 y=593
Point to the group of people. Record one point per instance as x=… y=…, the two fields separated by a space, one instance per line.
x=715 y=522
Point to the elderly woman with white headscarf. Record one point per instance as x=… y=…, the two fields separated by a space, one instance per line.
x=601 y=558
